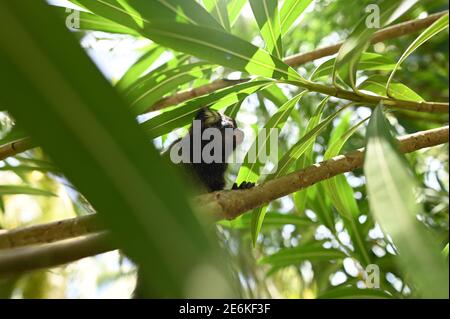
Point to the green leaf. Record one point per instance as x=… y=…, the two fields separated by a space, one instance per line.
x=260 y=148
x=272 y=220
x=81 y=20
x=377 y=85
x=234 y=9
x=391 y=187
x=140 y=66
x=294 y=256
x=184 y=113
x=268 y=19
x=300 y=197
x=23 y=190
x=369 y=62
x=445 y=251
x=290 y=11
x=220 y=48
x=355 y=293
x=83 y=125
x=343 y=198
x=350 y=52
x=218 y=9
x=136 y=14
x=288 y=160
x=153 y=86
x=438 y=26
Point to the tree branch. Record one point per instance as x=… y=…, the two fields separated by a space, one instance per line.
x=388 y=33
x=13 y=261
x=226 y=204
x=50 y=232
x=15 y=147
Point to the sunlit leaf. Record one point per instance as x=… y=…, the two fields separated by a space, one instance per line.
x=290 y=11
x=140 y=66
x=153 y=86
x=218 y=9
x=368 y=62
x=184 y=113
x=268 y=20
x=377 y=84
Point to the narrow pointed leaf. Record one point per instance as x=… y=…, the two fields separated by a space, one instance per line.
x=268 y=19
x=439 y=25
x=218 y=9
x=391 y=191
x=350 y=52
x=290 y=11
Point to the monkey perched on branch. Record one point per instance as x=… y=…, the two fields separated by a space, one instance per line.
x=202 y=154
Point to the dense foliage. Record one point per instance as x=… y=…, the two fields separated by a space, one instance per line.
x=102 y=126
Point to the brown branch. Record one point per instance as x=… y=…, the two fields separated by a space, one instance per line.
x=388 y=33
x=218 y=205
x=13 y=261
x=15 y=147
x=50 y=232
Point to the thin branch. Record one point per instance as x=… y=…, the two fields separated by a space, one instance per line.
x=227 y=204
x=13 y=261
x=388 y=33
x=15 y=147
x=50 y=232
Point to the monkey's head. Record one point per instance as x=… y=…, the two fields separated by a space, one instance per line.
x=223 y=129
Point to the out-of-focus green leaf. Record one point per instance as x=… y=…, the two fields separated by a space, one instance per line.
x=438 y=26
x=268 y=20
x=218 y=9
x=81 y=123
x=272 y=220
x=355 y=293
x=391 y=187
x=153 y=86
x=184 y=113
x=369 y=62
x=290 y=11
x=294 y=256
x=23 y=189
x=380 y=15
